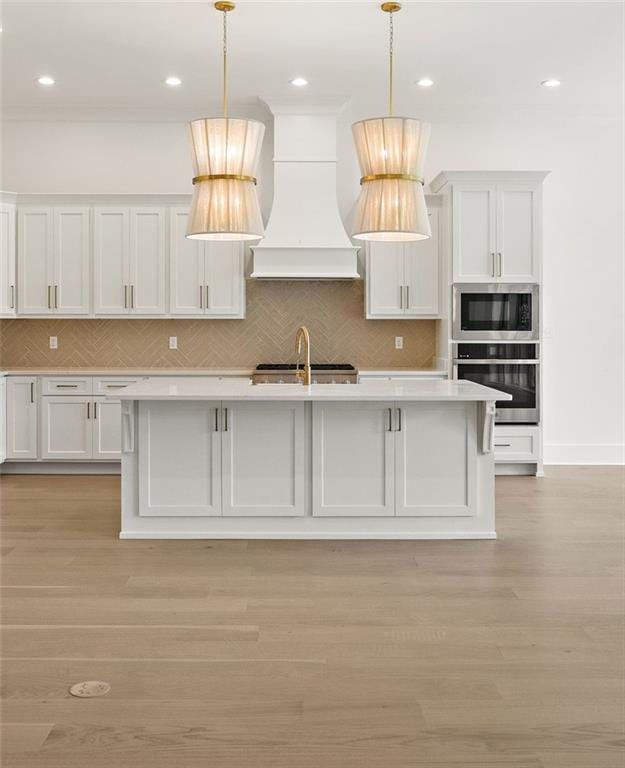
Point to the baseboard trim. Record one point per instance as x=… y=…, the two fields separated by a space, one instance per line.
x=601 y=454
x=316 y=536
x=60 y=468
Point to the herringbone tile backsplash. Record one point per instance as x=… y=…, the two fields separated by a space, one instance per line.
x=333 y=311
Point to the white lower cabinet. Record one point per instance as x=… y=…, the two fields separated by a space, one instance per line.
x=353 y=450
x=517 y=444
x=233 y=459
x=180 y=468
x=66 y=431
x=106 y=429
x=263 y=459
x=21 y=417
x=384 y=458
x=435 y=471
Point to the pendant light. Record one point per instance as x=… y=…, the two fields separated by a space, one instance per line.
x=391 y=152
x=225 y=157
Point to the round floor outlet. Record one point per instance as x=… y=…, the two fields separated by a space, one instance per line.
x=89 y=689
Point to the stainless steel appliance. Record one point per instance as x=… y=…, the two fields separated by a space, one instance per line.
x=321 y=373
x=511 y=368
x=498 y=311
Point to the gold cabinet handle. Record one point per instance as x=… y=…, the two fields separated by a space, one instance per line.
x=201 y=297
x=49 y=305
x=499 y=265
x=125 y=297
x=401 y=296
x=407 y=297
x=206 y=302
x=12 y=297
x=492 y=264
x=56 y=296
x=132 y=297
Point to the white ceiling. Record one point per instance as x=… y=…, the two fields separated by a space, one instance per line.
x=109 y=58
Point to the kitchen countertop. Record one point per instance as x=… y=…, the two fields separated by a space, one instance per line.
x=195 y=372
x=224 y=389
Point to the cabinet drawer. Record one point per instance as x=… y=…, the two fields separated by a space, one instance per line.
x=516 y=444
x=66 y=385
x=110 y=384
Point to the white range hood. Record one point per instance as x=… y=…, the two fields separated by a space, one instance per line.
x=305 y=238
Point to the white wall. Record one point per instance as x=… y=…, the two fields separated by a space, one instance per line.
x=584 y=382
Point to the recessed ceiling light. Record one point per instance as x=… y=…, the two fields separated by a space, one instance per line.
x=45 y=80
x=173 y=81
x=551 y=83
x=425 y=82
x=299 y=81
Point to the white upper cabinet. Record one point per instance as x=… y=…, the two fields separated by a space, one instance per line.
x=147 y=261
x=517 y=233
x=72 y=262
x=474 y=233
x=206 y=278
x=186 y=267
x=35 y=261
x=495 y=225
x=111 y=255
x=402 y=279
x=54 y=260
x=129 y=261
x=8 y=296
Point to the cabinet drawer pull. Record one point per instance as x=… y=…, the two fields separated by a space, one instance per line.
x=207 y=300
x=32 y=391
x=115 y=386
x=66 y=386
x=216 y=419
x=499 y=264
x=132 y=297
x=49 y=305
x=225 y=419
x=88 y=410
x=12 y=297
x=407 y=297
x=56 y=296
x=95 y=410
x=503 y=445
x=201 y=298
x=401 y=296
x=125 y=297
x=399 y=420
x=390 y=420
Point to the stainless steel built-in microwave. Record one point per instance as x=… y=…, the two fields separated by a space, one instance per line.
x=502 y=311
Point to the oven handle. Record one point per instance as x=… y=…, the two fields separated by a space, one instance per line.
x=494 y=361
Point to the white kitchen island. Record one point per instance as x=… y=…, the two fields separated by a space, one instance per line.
x=210 y=458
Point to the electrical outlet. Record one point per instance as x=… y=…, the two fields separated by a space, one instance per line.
x=399 y=342
x=54 y=342
x=173 y=342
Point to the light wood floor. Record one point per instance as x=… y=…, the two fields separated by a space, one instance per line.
x=494 y=654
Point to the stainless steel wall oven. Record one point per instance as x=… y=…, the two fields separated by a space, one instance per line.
x=511 y=368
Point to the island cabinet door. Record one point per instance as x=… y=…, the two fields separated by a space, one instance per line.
x=435 y=459
x=263 y=454
x=353 y=459
x=179 y=459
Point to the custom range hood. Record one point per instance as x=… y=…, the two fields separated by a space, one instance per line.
x=305 y=238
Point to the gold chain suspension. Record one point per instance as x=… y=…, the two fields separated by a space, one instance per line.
x=390 y=8
x=225 y=7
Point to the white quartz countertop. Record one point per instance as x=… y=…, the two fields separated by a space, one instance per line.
x=197 y=388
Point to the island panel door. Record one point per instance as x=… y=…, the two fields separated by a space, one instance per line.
x=179 y=461
x=353 y=459
x=435 y=459
x=263 y=456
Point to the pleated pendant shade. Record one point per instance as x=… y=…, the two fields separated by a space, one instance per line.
x=225 y=155
x=391 y=206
